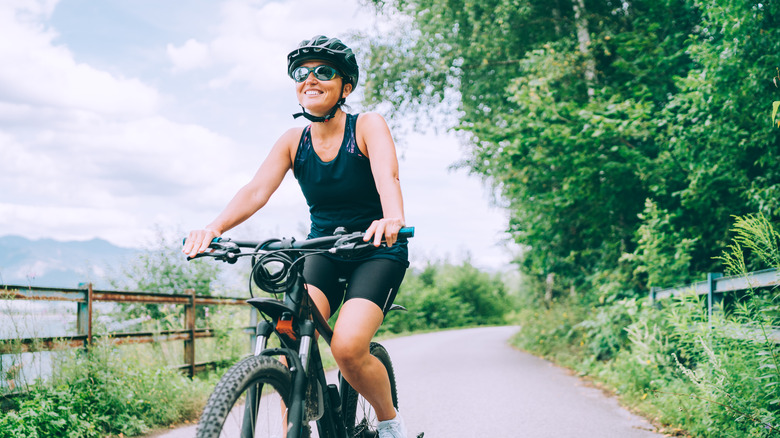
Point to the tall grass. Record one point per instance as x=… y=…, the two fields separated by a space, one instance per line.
x=104 y=392
x=125 y=390
x=692 y=375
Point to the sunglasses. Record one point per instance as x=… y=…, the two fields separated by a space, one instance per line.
x=321 y=72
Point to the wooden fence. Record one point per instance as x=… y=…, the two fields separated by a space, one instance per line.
x=85 y=297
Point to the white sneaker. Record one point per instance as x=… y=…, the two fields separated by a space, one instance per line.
x=395 y=428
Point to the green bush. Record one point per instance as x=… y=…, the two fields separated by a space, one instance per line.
x=713 y=376
x=104 y=393
x=447 y=296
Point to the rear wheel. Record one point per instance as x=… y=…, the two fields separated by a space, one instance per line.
x=250 y=400
x=359 y=417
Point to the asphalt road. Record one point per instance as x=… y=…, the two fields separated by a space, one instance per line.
x=471 y=383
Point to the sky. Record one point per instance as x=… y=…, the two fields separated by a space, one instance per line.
x=121 y=118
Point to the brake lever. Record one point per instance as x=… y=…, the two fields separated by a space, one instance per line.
x=348 y=243
x=223 y=250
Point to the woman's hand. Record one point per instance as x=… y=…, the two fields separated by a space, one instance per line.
x=387 y=228
x=198 y=241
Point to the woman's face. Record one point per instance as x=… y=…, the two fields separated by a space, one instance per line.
x=318 y=97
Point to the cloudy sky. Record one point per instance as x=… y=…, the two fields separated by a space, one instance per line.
x=121 y=117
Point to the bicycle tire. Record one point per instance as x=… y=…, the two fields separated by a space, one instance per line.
x=359 y=417
x=226 y=414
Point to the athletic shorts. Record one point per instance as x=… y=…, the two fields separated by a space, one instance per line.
x=376 y=280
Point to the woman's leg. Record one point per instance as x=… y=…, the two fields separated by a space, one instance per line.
x=371 y=290
x=358 y=321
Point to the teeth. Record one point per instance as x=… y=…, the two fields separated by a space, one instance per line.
x=312 y=92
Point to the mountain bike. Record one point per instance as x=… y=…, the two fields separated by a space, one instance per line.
x=278 y=391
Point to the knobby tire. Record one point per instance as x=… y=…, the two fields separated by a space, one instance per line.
x=226 y=415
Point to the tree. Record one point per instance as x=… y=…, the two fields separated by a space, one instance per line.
x=578 y=112
x=164 y=269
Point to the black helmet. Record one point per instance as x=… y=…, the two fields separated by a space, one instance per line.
x=327 y=49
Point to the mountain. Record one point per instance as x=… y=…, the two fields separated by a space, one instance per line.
x=53 y=263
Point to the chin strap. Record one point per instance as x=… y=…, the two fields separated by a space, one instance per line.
x=330 y=115
x=317 y=119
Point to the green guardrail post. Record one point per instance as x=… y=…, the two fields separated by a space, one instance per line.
x=712 y=300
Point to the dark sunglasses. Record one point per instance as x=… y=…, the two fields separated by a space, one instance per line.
x=321 y=72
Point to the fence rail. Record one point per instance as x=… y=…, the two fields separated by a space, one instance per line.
x=716 y=285
x=85 y=297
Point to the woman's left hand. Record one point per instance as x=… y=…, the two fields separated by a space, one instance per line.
x=387 y=228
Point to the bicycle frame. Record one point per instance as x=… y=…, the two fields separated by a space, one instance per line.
x=295 y=321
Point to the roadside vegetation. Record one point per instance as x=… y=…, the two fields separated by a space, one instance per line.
x=664 y=359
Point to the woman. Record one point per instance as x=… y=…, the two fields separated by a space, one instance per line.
x=347 y=168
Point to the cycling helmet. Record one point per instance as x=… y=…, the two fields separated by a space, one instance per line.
x=327 y=49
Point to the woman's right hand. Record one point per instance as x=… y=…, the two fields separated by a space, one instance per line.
x=198 y=241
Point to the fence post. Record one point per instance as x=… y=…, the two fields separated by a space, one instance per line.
x=652 y=294
x=189 y=345
x=84 y=316
x=712 y=300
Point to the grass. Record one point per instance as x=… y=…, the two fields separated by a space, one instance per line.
x=664 y=363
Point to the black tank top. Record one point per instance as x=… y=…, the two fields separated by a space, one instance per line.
x=341 y=192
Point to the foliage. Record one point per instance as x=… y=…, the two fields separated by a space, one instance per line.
x=103 y=393
x=446 y=296
x=660 y=245
x=676 y=116
x=664 y=359
x=164 y=269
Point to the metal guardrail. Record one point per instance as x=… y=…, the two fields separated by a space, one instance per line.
x=716 y=285
x=85 y=297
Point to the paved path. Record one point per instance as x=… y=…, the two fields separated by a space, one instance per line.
x=470 y=383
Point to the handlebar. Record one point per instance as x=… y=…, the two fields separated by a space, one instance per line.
x=229 y=250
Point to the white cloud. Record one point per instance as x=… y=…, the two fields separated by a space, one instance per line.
x=86 y=153
x=37 y=71
x=253 y=38
x=191 y=55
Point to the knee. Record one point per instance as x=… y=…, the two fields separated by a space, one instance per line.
x=349 y=354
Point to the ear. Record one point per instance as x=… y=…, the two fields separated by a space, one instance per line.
x=346 y=90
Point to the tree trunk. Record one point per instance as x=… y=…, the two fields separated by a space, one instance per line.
x=548 y=290
x=556 y=14
x=583 y=37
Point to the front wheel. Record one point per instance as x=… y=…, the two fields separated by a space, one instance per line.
x=250 y=400
x=359 y=417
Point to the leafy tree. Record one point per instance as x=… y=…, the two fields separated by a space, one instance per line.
x=578 y=112
x=164 y=269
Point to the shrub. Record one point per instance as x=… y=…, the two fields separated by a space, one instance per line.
x=103 y=392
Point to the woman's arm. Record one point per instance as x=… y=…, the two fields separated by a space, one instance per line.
x=374 y=132
x=250 y=198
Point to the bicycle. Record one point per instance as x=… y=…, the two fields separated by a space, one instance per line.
x=261 y=396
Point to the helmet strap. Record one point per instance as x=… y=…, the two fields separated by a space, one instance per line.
x=326 y=117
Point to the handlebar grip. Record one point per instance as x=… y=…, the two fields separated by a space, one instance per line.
x=406 y=233
x=214 y=240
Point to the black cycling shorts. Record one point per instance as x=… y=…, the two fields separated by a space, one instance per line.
x=376 y=280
